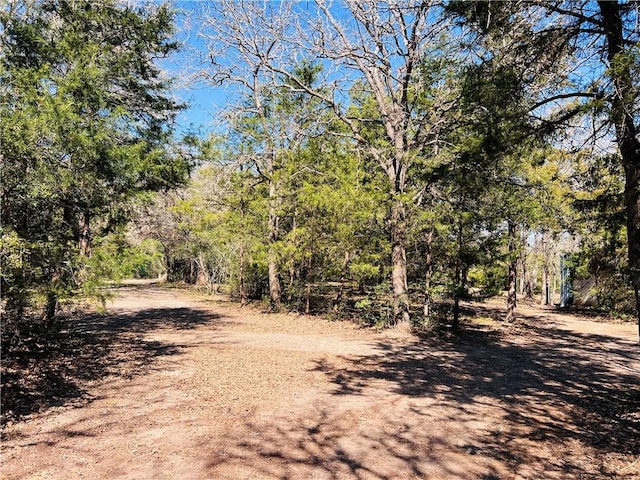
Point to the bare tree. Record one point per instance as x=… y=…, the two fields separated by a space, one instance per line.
x=247 y=46
x=384 y=46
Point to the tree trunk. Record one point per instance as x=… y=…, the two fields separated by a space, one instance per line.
x=531 y=282
x=459 y=280
x=622 y=116
x=456 y=297
x=241 y=277
x=343 y=280
x=307 y=274
x=544 y=295
x=544 y=280
x=169 y=265
x=399 y=266
x=307 y=299
x=273 y=227
x=84 y=242
x=632 y=199
x=50 y=309
x=428 y=260
x=513 y=263
x=554 y=283
x=203 y=276
x=294 y=272
x=51 y=303
x=292 y=281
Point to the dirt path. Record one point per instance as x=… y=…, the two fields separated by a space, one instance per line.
x=174 y=387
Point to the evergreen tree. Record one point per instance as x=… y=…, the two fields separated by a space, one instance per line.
x=576 y=58
x=85 y=121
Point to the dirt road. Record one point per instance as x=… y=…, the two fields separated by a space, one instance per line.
x=175 y=387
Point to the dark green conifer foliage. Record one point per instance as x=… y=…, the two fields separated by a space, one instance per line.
x=85 y=121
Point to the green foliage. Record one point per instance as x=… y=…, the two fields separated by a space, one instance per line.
x=375 y=312
x=84 y=126
x=114 y=257
x=489 y=279
x=599 y=204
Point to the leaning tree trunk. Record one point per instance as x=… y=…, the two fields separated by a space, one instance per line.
x=513 y=262
x=399 y=265
x=622 y=116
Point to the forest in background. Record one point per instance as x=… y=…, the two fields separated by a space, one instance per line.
x=379 y=160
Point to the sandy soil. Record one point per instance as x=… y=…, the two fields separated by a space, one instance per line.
x=171 y=386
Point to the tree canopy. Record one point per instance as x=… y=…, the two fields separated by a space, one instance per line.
x=383 y=160
x=85 y=125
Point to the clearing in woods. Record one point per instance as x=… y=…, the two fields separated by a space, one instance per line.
x=171 y=386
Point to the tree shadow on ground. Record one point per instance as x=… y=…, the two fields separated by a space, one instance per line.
x=563 y=386
x=563 y=402
x=55 y=370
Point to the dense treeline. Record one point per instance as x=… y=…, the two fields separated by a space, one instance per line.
x=85 y=120
x=426 y=153
x=383 y=160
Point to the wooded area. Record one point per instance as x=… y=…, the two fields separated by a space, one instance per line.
x=379 y=160
x=195 y=301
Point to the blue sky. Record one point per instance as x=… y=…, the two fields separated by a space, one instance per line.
x=204 y=100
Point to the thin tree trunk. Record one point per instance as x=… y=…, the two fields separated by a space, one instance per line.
x=513 y=263
x=274 y=277
x=399 y=266
x=307 y=299
x=544 y=296
x=622 y=116
x=293 y=272
x=292 y=281
x=428 y=273
x=308 y=277
x=544 y=280
x=459 y=280
x=241 y=280
x=456 y=298
x=525 y=274
x=343 y=280
x=531 y=282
